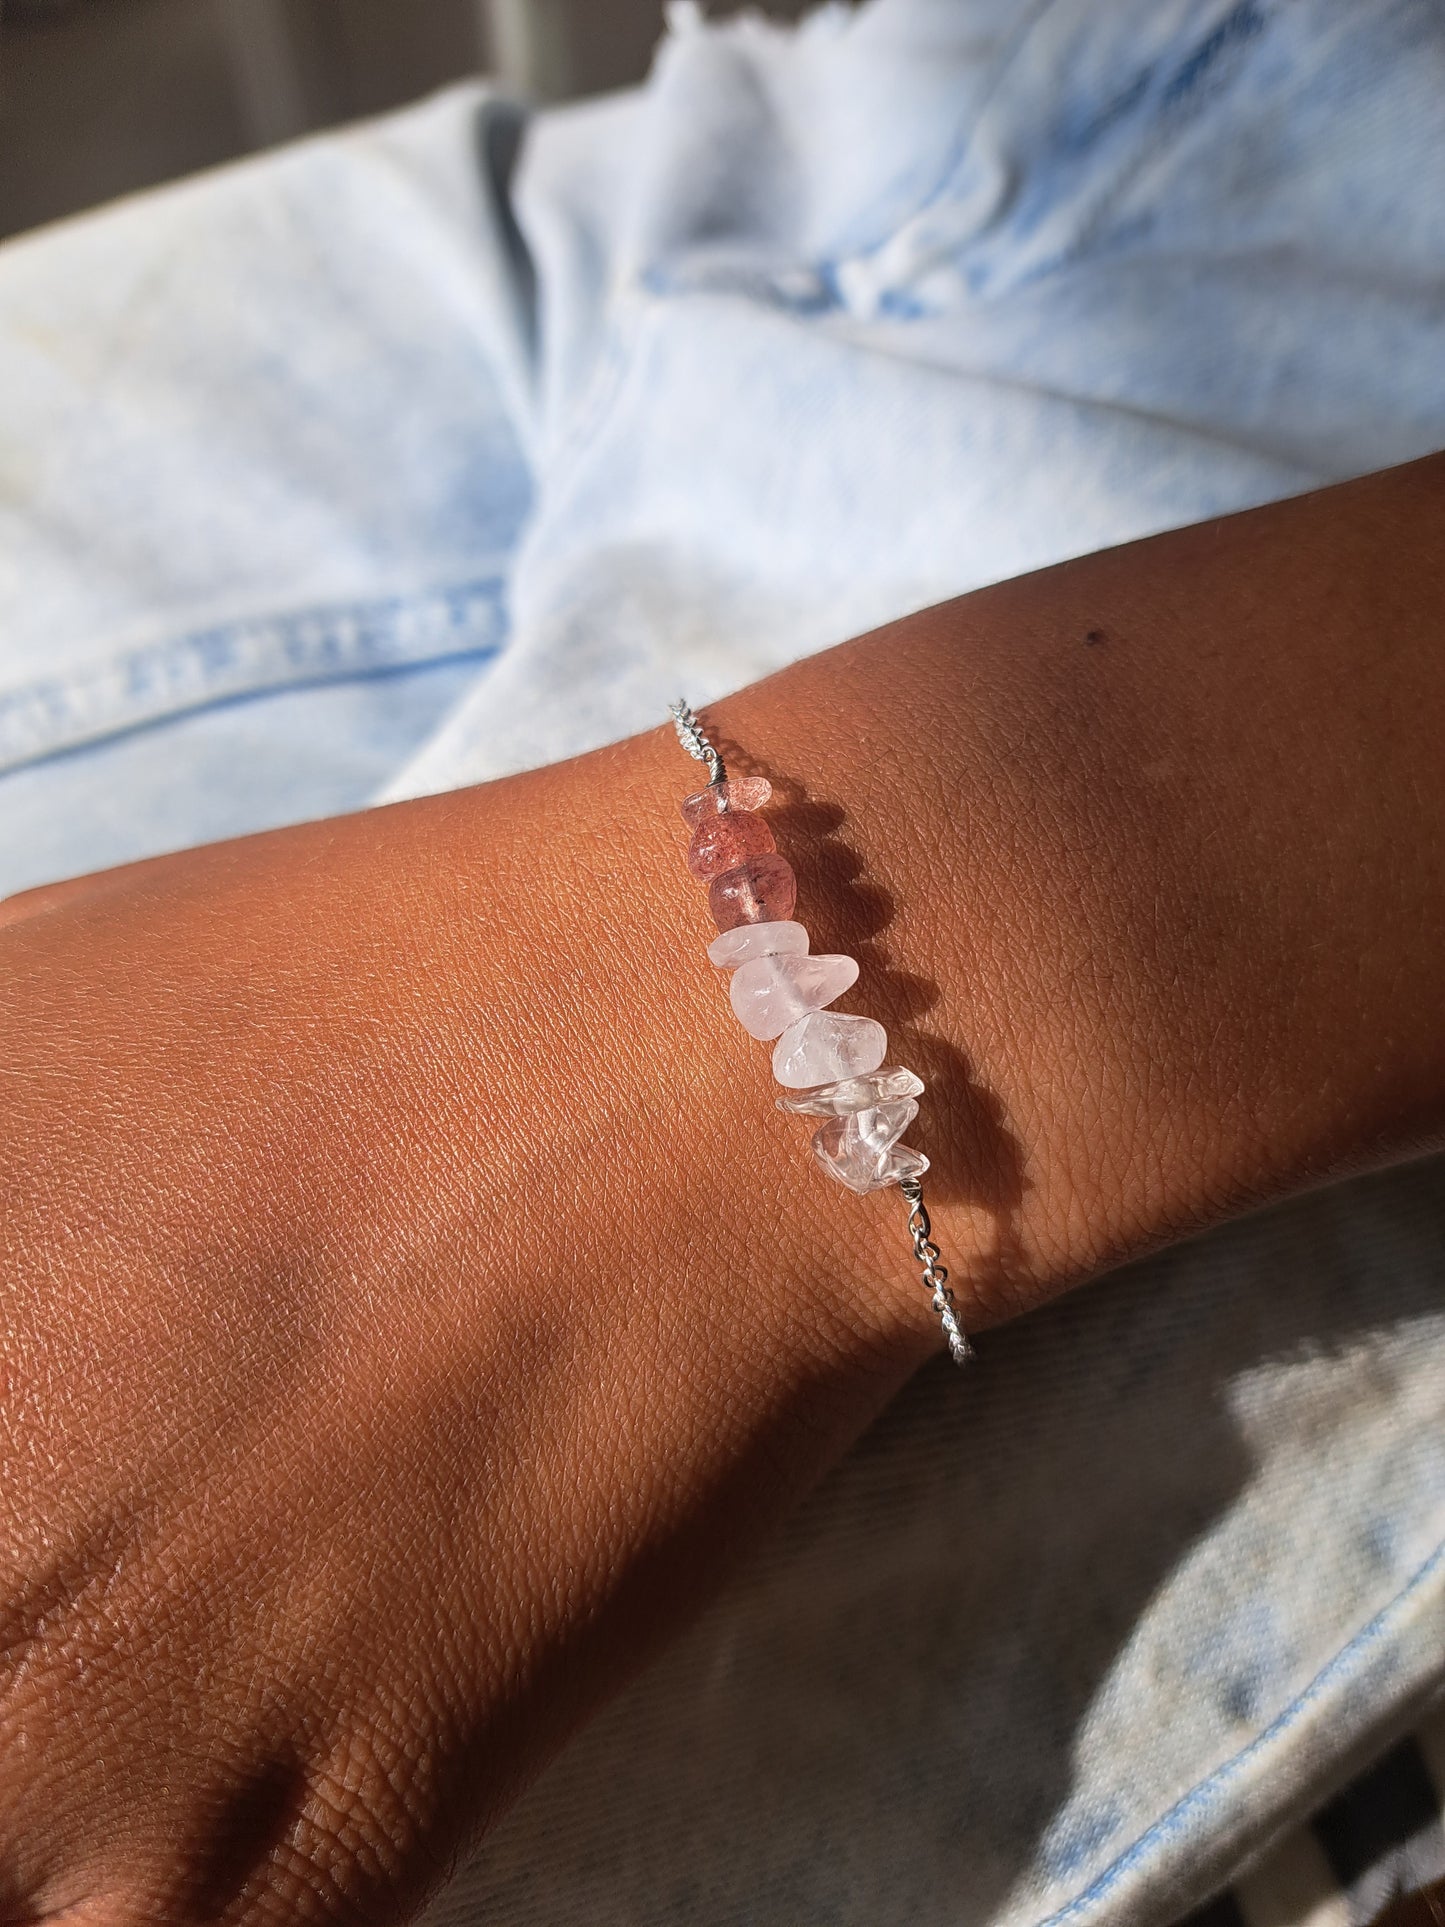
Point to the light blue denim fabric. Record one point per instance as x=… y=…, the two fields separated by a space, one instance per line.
x=392 y=462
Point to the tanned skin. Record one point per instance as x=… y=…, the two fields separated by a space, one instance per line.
x=413 y=1303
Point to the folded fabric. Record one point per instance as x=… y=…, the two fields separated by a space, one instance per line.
x=457 y=442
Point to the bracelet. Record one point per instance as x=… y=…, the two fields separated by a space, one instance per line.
x=830 y=1064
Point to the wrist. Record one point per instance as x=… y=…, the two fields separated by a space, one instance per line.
x=436 y=1301
x=1143 y=867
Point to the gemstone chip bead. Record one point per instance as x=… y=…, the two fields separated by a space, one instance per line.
x=862 y=1149
x=827 y=1045
x=749 y=940
x=762 y=890
x=855 y=1093
x=737 y=793
x=723 y=842
x=902 y=1162
x=770 y=993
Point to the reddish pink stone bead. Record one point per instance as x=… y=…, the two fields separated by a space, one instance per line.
x=723 y=842
x=762 y=890
x=737 y=793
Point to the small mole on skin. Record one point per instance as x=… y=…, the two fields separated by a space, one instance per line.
x=1093 y=636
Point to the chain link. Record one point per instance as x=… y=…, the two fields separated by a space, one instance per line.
x=935 y=1275
x=694 y=739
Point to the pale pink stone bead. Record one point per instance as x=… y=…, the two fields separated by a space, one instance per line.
x=737 y=793
x=859 y=1150
x=723 y=842
x=770 y=993
x=827 y=1045
x=751 y=940
x=762 y=890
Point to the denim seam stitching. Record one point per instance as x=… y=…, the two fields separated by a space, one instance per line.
x=1124 y=1861
x=249 y=656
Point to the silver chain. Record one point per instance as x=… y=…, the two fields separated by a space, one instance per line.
x=935 y=1275
x=694 y=739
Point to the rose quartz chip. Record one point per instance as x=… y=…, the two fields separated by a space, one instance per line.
x=723 y=842
x=762 y=890
x=827 y=1045
x=770 y=993
x=859 y=1150
x=751 y=940
x=737 y=793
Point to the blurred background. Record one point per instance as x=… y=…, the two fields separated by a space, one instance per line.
x=98 y=97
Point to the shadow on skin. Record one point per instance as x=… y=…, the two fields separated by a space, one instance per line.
x=974 y=1158
x=888 y=1717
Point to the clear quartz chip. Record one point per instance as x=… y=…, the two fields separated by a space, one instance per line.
x=854 y=1093
x=901 y=1162
x=858 y=1150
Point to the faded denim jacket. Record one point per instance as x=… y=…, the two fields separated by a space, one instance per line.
x=466 y=439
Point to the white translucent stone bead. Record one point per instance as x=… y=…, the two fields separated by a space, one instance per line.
x=827 y=1045
x=770 y=993
x=751 y=940
x=855 y=1093
x=901 y=1162
x=858 y=1150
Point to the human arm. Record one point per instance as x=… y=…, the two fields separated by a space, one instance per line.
x=413 y=1299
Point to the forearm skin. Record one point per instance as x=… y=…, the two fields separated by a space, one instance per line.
x=413 y=1297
